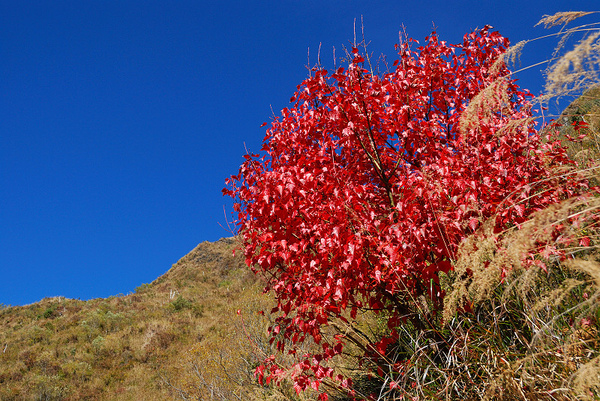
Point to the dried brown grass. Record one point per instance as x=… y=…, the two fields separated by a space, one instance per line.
x=561 y=18
x=553 y=308
x=492 y=100
x=576 y=70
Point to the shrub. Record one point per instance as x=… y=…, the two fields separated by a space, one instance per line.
x=142 y=288
x=180 y=303
x=367 y=187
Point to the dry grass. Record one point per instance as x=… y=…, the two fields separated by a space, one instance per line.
x=485 y=105
x=222 y=367
x=576 y=70
x=561 y=18
x=119 y=348
x=553 y=311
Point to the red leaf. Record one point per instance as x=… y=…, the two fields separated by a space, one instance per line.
x=473 y=223
x=584 y=241
x=520 y=209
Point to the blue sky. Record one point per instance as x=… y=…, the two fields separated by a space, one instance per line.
x=120 y=120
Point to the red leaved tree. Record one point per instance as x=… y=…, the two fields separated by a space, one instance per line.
x=366 y=185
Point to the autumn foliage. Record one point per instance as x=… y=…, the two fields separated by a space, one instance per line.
x=367 y=184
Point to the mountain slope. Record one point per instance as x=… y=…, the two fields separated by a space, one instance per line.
x=130 y=347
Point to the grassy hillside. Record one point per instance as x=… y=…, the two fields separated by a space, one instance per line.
x=128 y=347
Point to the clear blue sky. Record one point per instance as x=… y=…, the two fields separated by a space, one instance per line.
x=120 y=120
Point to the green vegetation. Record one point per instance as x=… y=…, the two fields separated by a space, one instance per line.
x=142 y=288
